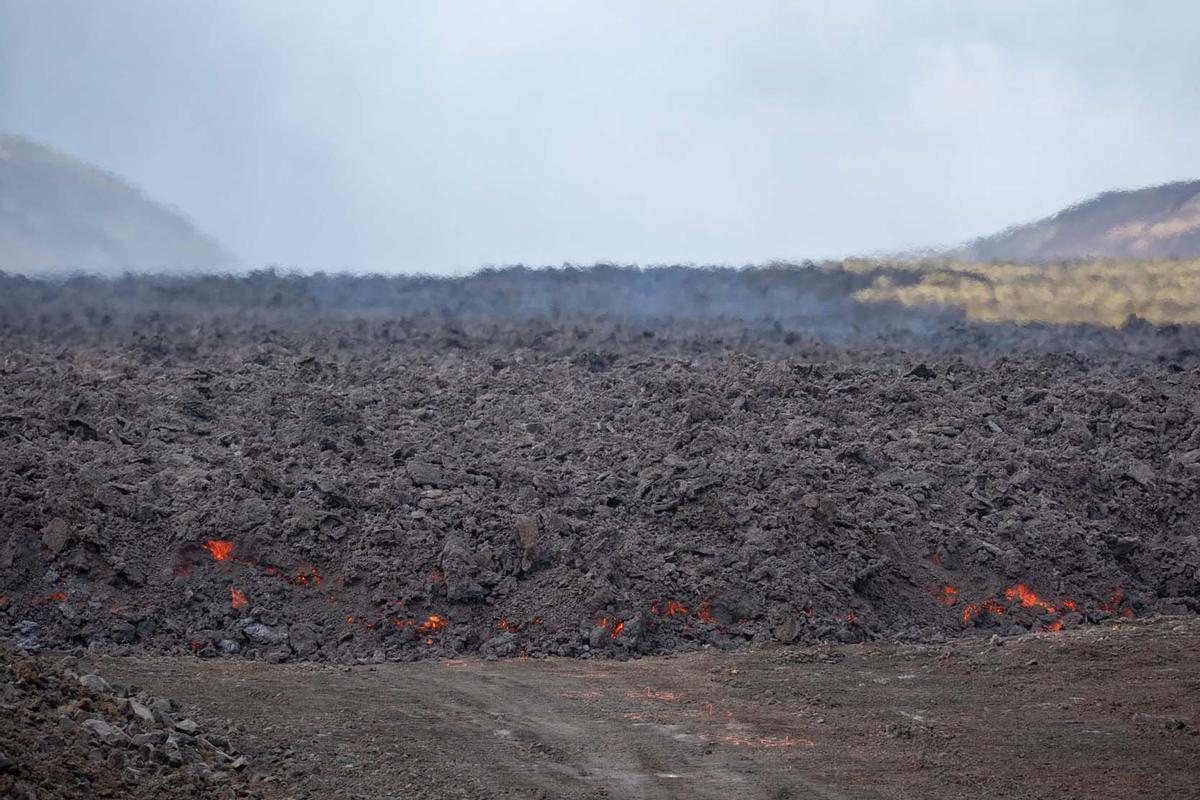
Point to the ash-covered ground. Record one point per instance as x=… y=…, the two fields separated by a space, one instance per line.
x=576 y=462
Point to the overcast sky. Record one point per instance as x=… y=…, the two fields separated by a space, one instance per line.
x=437 y=136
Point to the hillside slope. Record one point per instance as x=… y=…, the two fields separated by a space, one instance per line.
x=58 y=214
x=1156 y=222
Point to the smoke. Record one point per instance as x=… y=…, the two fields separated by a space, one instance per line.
x=435 y=137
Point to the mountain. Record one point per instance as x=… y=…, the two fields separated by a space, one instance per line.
x=58 y=215
x=1158 y=222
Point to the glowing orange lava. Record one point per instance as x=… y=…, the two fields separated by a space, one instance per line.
x=1020 y=595
x=704 y=612
x=1112 y=603
x=946 y=594
x=432 y=624
x=303 y=579
x=1026 y=597
x=972 y=610
x=671 y=608
x=237 y=599
x=614 y=627
x=506 y=626
x=219 y=549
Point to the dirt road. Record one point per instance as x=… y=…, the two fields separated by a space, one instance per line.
x=1099 y=712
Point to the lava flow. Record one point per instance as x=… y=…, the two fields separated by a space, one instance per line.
x=432 y=624
x=1021 y=596
x=614 y=627
x=222 y=550
x=219 y=549
x=671 y=608
x=237 y=599
x=946 y=594
x=1112 y=604
x=674 y=608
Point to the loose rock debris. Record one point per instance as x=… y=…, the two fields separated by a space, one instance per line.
x=278 y=483
x=242 y=469
x=233 y=467
x=63 y=734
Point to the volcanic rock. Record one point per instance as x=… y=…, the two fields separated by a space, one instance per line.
x=303 y=639
x=56 y=535
x=140 y=711
x=788 y=629
x=356 y=478
x=94 y=682
x=264 y=634
x=103 y=730
x=423 y=473
x=501 y=646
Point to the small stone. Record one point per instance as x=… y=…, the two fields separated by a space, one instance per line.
x=187 y=726
x=263 y=634
x=140 y=711
x=172 y=756
x=56 y=535
x=104 y=731
x=921 y=371
x=787 y=630
x=303 y=639
x=122 y=633
x=94 y=682
x=423 y=473
x=501 y=646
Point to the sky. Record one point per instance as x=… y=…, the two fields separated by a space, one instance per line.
x=439 y=137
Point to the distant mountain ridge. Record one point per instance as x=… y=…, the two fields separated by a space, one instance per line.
x=1158 y=222
x=58 y=214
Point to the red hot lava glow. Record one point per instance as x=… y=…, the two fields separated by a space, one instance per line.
x=671 y=608
x=614 y=627
x=946 y=594
x=237 y=599
x=1021 y=596
x=219 y=549
x=432 y=624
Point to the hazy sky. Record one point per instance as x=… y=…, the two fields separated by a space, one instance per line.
x=441 y=136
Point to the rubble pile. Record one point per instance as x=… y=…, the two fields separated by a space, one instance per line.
x=63 y=734
x=318 y=488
